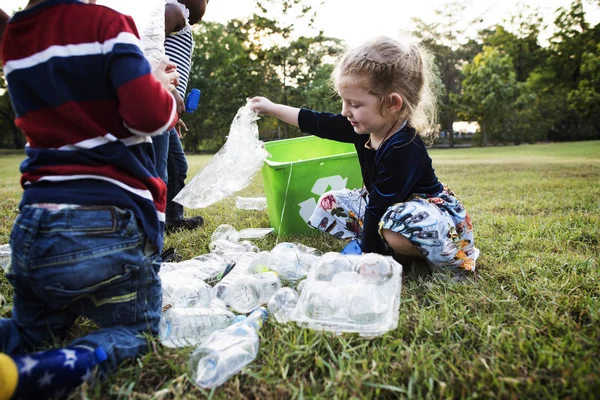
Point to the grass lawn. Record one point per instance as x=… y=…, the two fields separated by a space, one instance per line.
x=527 y=327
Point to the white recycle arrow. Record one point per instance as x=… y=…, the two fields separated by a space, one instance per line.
x=321 y=186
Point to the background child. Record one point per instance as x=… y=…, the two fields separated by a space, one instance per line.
x=91 y=223
x=171 y=161
x=388 y=107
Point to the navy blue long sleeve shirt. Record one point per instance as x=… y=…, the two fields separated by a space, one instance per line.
x=400 y=167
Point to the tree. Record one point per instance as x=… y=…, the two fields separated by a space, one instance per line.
x=490 y=90
x=444 y=40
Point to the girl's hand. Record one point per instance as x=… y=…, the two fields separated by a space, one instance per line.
x=261 y=105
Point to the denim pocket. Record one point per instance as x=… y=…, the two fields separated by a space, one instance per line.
x=110 y=301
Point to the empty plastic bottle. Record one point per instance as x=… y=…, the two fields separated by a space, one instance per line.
x=223 y=247
x=219 y=291
x=180 y=327
x=208 y=265
x=226 y=232
x=249 y=291
x=251 y=203
x=227 y=351
x=182 y=288
x=282 y=304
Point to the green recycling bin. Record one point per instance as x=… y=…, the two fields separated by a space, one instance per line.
x=298 y=171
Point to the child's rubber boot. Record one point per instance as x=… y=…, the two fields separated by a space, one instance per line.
x=53 y=373
x=9 y=375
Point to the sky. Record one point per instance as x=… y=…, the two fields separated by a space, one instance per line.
x=357 y=20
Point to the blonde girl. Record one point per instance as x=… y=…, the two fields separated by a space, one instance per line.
x=389 y=113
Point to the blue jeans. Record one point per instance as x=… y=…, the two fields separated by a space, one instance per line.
x=177 y=168
x=172 y=168
x=161 y=153
x=94 y=262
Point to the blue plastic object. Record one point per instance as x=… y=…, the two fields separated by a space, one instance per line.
x=353 y=247
x=192 y=100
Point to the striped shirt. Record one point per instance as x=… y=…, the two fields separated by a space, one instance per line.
x=179 y=47
x=85 y=98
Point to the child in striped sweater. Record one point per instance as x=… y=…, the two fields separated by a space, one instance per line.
x=88 y=237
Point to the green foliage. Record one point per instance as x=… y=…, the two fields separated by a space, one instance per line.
x=527 y=327
x=490 y=90
x=523 y=93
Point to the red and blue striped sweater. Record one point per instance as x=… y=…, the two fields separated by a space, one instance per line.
x=87 y=102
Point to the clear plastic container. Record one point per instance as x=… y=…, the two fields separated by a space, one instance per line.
x=226 y=352
x=351 y=293
x=181 y=327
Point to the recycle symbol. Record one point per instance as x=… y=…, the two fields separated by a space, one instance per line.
x=321 y=186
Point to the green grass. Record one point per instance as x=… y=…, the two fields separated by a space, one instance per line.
x=527 y=327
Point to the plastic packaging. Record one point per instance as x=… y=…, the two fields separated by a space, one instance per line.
x=251 y=203
x=351 y=293
x=282 y=304
x=227 y=351
x=232 y=168
x=180 y=327
x=249 y=291
x=5 y=255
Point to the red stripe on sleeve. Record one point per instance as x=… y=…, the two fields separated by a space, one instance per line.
x=145 y=106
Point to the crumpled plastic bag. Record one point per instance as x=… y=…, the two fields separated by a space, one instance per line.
x=232 y=168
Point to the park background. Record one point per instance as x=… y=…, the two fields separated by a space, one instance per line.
x=528 y=326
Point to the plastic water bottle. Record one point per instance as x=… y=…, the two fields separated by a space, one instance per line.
x=208 y=266
x=249 y=291
x=282 y=304
x=226 y=232
x=227 y=351
x=219 y=291
x=180 y=327
x=251 y=203
x=5 y=254
x=223 y=247
x=185 y=292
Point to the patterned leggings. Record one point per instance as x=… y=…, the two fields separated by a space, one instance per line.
x=438 y=226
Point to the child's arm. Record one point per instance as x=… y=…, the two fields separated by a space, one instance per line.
x=174 y=19
x=264 y=106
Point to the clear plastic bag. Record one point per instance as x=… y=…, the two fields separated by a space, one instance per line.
x=232 y=168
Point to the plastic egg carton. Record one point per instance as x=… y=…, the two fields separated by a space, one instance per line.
x=351 y=293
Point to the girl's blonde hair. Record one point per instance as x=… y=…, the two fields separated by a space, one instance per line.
x=384 y=66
